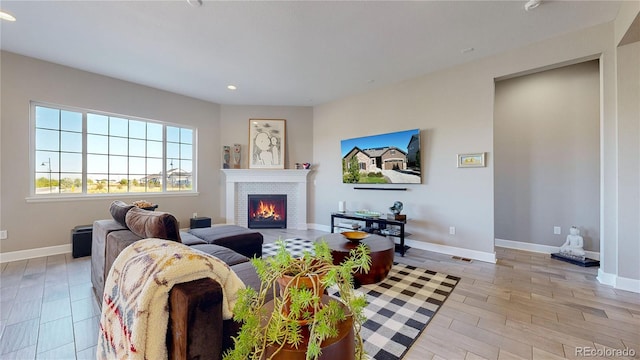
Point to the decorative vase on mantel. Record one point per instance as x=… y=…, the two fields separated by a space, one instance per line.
x=236 y=156
x=226 y=156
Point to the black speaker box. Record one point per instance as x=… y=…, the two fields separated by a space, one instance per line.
x=81 y=240
x=200 y=222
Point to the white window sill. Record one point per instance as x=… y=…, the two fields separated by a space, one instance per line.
x=83 y=197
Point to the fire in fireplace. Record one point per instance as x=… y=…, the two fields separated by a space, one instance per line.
x=267 y=211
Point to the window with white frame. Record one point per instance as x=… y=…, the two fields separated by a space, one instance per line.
x=86 y=152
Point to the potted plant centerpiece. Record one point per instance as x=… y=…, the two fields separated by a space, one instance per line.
x=299 y=308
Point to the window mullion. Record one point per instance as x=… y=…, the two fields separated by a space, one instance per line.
x=59 y=153
x=85 y=179
x=165 y=178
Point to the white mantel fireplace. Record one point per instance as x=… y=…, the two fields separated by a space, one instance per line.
x=240 y=183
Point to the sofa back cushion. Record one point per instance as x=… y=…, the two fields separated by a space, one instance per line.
x=118 y=210
x=153 y=224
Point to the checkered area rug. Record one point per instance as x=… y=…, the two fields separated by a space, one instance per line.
x=398 y=308
x=296 y=247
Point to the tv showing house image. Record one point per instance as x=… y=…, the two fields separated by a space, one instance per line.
x=391 y=158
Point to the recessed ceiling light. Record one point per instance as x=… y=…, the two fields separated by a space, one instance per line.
x=532 y=4
x=195 y=3
x=6 y=16
x=231 y=87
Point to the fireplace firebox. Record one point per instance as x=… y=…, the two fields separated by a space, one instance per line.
x=267 y=211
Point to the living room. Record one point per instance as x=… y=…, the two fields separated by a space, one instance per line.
x=462 y=93
x=453 y=107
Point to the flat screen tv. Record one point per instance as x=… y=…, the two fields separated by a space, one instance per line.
x=391 y=158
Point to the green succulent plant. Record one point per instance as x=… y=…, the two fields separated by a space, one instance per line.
x=296 y=307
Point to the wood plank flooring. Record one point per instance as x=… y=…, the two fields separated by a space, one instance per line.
x=527 y=306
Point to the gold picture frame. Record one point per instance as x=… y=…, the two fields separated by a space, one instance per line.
x=471 y=160
x=267 y=143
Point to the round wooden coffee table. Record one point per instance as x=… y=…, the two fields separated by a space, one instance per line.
x=382 y=252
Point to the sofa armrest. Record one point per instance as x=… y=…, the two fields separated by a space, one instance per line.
x=195 y=320
x=101 y=229
x=116 y=242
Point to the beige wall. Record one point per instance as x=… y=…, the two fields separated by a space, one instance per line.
x=629 y=160
x=620 y=247
x=234 y=129
x=454 y=110
x=299 y=132
x=547 y=155
x=1 y=223
x=444 y=107
x=44 y=224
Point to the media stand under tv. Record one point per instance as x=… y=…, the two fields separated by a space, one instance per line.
x=375 y=225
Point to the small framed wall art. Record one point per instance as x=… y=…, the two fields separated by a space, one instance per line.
x=267 y=140
x=471 y=160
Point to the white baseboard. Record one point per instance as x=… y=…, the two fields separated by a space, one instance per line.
x=34 y=253
x=545 y=249
x=452 y=250
x=606 y=278
x=443 y=249
x=320 y=227
x=618 y=282
x=628 y=284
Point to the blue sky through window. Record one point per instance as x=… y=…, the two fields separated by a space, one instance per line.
x=117 y=148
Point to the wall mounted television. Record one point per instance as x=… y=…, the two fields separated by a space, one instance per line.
x=391 y=158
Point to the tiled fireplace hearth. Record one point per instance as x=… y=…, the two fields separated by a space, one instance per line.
x=240 y=183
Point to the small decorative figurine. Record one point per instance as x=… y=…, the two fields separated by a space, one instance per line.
x=574 y=243
x=236 y=156
x=226 y=156
x=572 y=252
x=396 y=208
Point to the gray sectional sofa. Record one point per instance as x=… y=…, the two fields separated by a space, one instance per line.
x=196 y=310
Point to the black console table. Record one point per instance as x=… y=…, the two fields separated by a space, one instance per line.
x=383 y=226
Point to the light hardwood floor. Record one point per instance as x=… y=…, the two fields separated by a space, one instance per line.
x=527 y=306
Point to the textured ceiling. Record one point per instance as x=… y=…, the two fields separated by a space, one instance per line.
x=281 y=53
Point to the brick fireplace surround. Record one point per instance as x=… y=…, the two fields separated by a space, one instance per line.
x=239 y=183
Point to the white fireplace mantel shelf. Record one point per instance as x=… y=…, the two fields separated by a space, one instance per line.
x=263 y=175
x=295 y=182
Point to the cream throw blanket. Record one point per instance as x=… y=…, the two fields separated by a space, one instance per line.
x=134 y=319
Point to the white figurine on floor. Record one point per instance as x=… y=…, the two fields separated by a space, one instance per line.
x=573 y=245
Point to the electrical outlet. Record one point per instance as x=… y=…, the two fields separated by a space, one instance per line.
x=3 y=234
x=195 y=215
x=557 y=230
x=452 y=230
